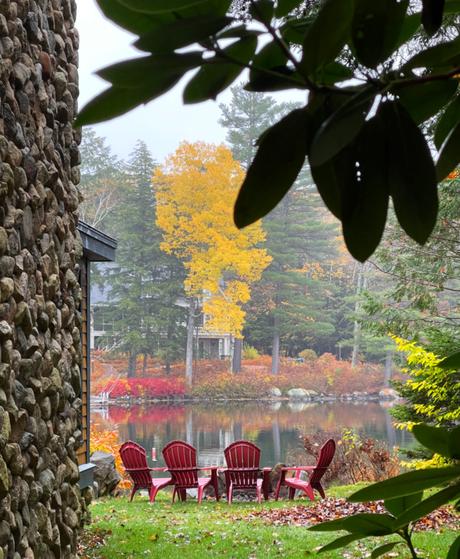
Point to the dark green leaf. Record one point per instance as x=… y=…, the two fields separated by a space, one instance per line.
x=406 y=484
x=219 y=72
x=341 y=542
x=433 y=438
x=452 y=7
x=285 y=6
x=428 y=505
x=180 y=33
x=441 y=55
x=448 y=120
x=411 y=172
x=293 y=30
x=364 y=524
x=332 y=73
x=126 y=18
x=376 y=29
x=341 y=127
x=382 y=549
x=454 y=550
x=262 y=10
x=150 y=71
x=284 y=78
x=454 y=443
x=398 y=505
x=238 y=32
x=277 y=163
x=424 y=100
x=365 y=200
x=114 y=102
x=270 y=57
x=327 y=34
x=451 y=362
x=449 y=154
x=432 y=11
x=409 y=27
x=160 y=6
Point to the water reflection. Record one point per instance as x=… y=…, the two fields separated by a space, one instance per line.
x=275 y=427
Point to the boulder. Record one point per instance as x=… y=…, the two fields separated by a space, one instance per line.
x=105 y=473
x=297 y=394
x=275 y=392
x=388 y=394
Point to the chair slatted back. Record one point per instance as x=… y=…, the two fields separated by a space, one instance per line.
x=243 y=459
x=326 y=454
x=134 y=460
x=180 y=459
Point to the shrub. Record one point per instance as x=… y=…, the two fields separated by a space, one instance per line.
x=308 y=355
x=107 y=440
x=250 y=352
x=356 y=458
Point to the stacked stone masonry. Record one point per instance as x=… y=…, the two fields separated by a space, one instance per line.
x=40 y=323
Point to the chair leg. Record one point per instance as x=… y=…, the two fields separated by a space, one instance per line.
x=291 y=493
x=200 y=494
x=153 y=493
x=259 y=495
x=230 y=494
x=320 y=490
x=278 y=489
x=132 y=493
x=215 y=484
x=309 y=491
x=174 y=494
x=183 y=494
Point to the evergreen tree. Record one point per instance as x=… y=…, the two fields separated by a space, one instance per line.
x=288 y=303
x=145 y=283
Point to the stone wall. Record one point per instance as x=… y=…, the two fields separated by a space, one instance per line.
x=40 y=324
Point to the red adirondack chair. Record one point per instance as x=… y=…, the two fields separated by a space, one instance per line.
x=134 y=460
x=326 y=454
x=243 y=470
x=180 y=458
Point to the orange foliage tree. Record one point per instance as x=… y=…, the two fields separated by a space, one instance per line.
x=195 y=190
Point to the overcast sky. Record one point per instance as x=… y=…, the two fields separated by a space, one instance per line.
x=163 y=123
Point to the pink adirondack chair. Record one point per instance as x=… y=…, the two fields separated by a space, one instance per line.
x=134 y=460
x=326 y=454
x=242 y=472
x=180 y=459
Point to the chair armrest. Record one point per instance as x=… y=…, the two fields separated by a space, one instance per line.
x=210 y=468
x=158 y=469
x=267 y=469
x=298 y=468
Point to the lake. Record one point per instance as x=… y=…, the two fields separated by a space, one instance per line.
x=276 y=427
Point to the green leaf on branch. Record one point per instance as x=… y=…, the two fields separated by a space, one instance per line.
x=449 y=154
x=406 y=484
x=443 y=55
x=448 y=120
x=382 y=549
x=428 y=505
x=285 y=6
x=160 y=6
x=180 y=33
x=433 y=438
x=269 y=71
x=114 y=102
x=341 y=542
x=219 y=72
x=432 y=12
x=376 y=29
x=454 y=550
x=365 y=202
x=424 y=100
x=126 y=18
x=364 y=524
x=411 y=172
x=262 y=10
x=409 y=27
x=150 y=72
x=327 y=34
x=332 y=73
x=341 y=127
x=451 y=361
x=398 y=505
x=278 y=161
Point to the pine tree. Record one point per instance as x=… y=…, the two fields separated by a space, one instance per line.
x=145 y=283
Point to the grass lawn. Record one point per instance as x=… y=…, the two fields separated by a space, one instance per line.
x=187 y=530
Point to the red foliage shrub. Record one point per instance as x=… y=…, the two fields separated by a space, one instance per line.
x=146 y=388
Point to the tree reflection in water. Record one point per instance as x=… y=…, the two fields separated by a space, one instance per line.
x=275 y=427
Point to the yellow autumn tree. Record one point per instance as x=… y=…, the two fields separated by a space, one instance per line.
x=195 y=192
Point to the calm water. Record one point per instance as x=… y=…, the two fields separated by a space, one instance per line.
x=275 y=427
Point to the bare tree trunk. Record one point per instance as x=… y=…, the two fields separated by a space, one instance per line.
x=236 y=359
x=276 y=440
x=144 y=364
x=189 y=347
x=276 y=347
x=361 y=284
x=132 y=360
x=388 y=368
x=189 y=426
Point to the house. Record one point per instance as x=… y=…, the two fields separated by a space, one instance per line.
x=97 y=247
